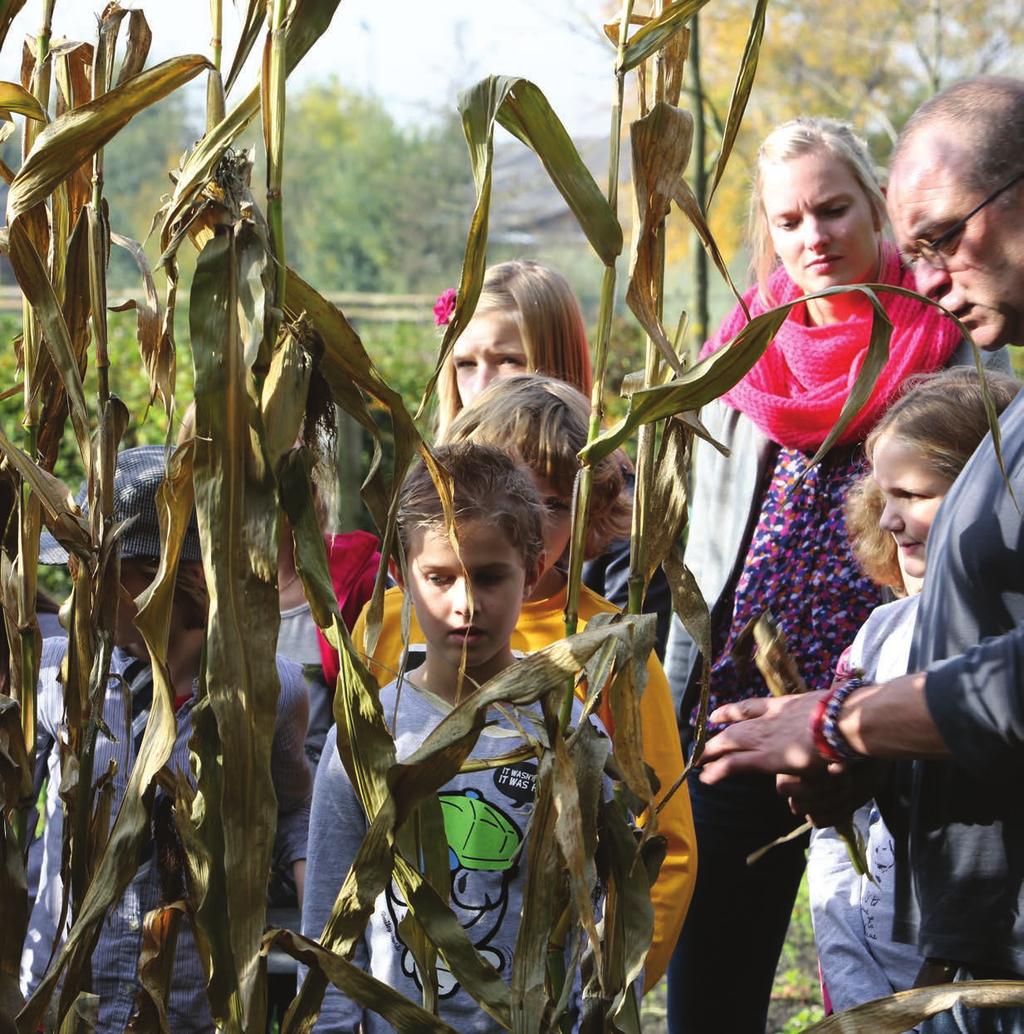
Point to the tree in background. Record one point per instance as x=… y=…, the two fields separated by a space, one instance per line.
x=393 y=215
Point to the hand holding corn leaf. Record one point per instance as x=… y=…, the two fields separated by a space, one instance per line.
x=779 y=669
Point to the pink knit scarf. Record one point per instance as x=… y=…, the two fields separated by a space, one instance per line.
x=796 y=390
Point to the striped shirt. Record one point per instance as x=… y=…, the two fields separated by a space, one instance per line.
x=116 y=955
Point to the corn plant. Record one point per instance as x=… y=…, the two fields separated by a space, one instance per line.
x=258 y=337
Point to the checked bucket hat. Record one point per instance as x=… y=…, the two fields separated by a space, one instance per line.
x=140 y=473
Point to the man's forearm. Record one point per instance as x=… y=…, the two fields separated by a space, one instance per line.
x=892 y=720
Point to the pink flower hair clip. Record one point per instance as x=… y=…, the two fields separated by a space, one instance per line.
x=444 y=308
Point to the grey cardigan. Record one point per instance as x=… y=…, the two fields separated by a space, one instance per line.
x=724 y=509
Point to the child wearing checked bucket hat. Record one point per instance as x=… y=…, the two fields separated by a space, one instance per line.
x=126 y=704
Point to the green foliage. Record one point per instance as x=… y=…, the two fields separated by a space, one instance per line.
x=392 y=215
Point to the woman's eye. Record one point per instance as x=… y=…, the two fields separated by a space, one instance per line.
x=787 y=224
x=836 y=211
x=464 y=364
x=513 y=360
x=439 y=579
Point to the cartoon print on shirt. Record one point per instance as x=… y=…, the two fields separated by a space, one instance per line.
x=483 y=852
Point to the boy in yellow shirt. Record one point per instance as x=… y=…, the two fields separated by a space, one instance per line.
x=543 y=423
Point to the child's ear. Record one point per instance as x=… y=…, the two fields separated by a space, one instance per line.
x=533 y=577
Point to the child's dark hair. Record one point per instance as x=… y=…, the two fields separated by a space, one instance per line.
x=543 y=422
x=941 y=416
x=488 y=486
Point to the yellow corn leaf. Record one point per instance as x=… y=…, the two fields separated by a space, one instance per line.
x=78 y=134
x=904 y=1010
x=15 y=99
x=656 y=33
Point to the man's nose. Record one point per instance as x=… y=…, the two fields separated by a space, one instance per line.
x=933 y=283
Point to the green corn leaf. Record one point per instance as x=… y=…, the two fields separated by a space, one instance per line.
x=740 y=93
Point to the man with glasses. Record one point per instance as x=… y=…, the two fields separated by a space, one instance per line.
x=955 y=728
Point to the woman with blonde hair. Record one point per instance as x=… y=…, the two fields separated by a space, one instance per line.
x=526 y=321
x=767 y=531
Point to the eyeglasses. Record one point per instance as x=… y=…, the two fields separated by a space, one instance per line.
x=935 y=253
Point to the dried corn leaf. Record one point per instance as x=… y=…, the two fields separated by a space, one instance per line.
x=63 y=517
x=685 y=199
x=519 y=106
x=574 y=842
x=8 y=12
x=34 y=282
x=15 y=99
x=902 y=1011
x=159 y=361
x=140 y=39
x=72 y=69
x=14 y=891
x=661 y=143
x=358 y=985
x=529 y=970
x=84 y=1015
x=656 y=33
x=306 y=23
x=237 y=510
x=740 y=94
x=156 y=961
x=131 y=827
x=689 y=604
x=255 y=15
x=78 y=134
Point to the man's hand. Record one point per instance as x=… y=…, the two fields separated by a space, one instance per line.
x=831 y=796
x=770 y=734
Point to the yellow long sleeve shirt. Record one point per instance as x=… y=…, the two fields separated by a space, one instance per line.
x=540 y=624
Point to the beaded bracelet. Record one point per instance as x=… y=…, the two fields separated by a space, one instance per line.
x=830 y=723
x=821 y=745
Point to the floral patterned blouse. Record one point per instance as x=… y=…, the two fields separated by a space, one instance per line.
x=801 y=567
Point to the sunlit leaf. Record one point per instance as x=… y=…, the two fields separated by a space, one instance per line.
x=740 y=94
x=657 y=32
x=77 y=134
x=17 y=100
x=903 y=1011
